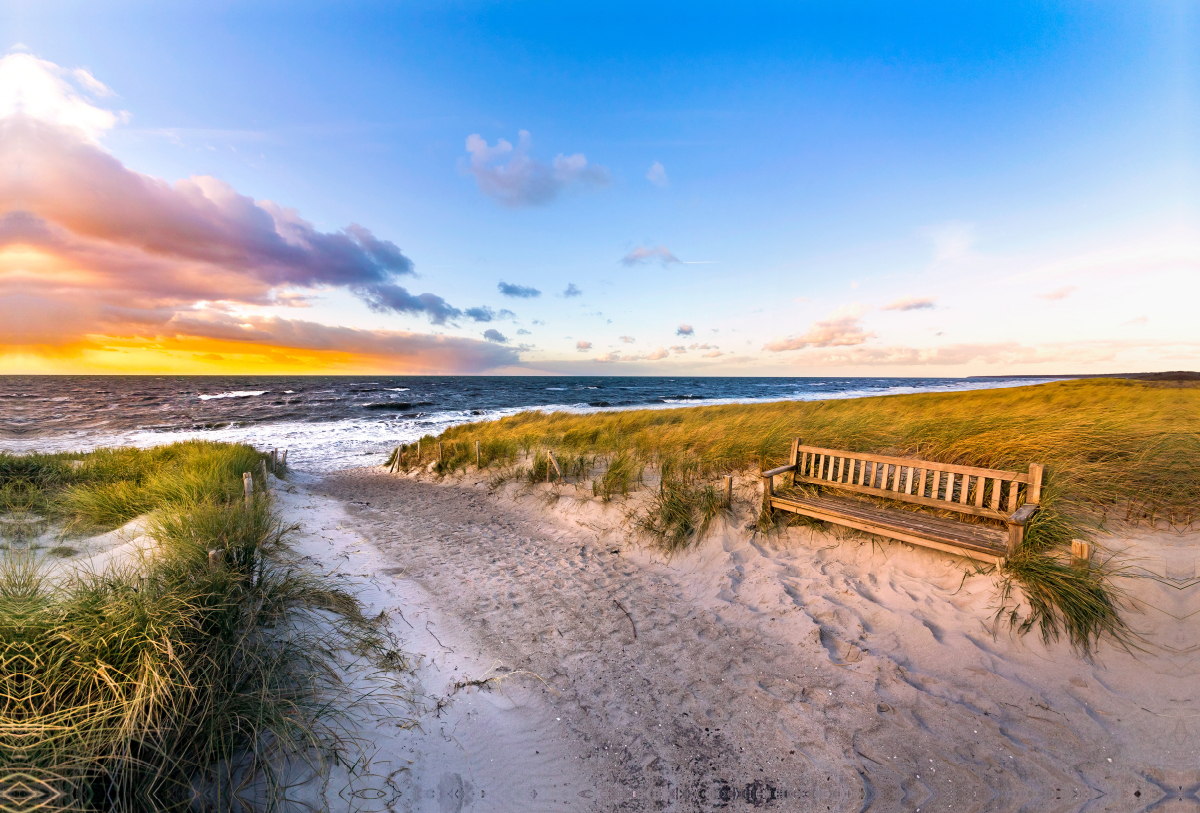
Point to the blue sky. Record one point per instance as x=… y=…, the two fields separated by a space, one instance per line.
x=853 y=188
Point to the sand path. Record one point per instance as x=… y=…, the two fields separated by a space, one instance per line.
x=804 y=672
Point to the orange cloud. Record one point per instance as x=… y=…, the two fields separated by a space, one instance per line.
x=102 y=267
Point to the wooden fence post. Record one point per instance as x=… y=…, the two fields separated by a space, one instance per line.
x=418 y=451
x=478 y=457
x=557 y=468
x=441 y=452
x=1081 y=552
x=283 y=462
x=248 y=487
x=728 y=490
x=262 y=465
x=274 y=460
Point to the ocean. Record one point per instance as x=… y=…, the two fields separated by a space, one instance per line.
x=335 y=422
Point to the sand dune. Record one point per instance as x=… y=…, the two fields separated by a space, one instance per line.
x=808 y=671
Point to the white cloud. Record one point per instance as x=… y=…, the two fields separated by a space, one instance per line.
x=41 y=90
x=583 y=346
x=911 y=303
x=952 y=241
x=627 y=339
x=524 y=181
x=685 y=330
x=657 y=175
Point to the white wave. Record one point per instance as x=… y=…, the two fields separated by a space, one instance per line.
x=237 y=394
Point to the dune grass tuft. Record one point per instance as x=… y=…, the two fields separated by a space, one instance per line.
x=1114 y=450
x=138 y=687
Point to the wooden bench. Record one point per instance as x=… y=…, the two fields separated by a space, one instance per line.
x=1007 y=497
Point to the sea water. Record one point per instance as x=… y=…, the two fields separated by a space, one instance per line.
x=334 y=422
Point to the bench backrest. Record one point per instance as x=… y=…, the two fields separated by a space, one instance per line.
x=965 y=489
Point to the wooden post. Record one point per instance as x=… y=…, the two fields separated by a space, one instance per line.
x=478 y=457
x=1081 y=552
x=418 y=451
x=274 y=461
x=262 y=465
x=214 y=560
x=1034 y=495
x=728 y=490
x=441 y=452
x=283 y=462
x=248 y=486
x=557 y=468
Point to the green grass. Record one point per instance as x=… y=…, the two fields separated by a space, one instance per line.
x=1113 y=450
x=126 y=689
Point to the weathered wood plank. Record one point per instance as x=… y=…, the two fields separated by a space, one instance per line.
x=989 y=556
x=907 y=461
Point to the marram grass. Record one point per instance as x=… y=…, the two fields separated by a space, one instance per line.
x=142 y=686
x=1114 y=450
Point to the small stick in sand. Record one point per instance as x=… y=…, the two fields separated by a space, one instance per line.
x=728 y=490
x=627 y=615
x=248 y=486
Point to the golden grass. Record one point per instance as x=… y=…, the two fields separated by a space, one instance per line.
x=1113 y=449
x=130 y=688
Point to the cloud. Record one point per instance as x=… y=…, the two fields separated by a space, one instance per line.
x=911 y=303
x=1137 y=321
x=485 y=314
x=646 y=254
x=583 y=346
x=1059 y=293
x=524 y=181
x=572 y=291
x=519 y=291
x=383 y=298
x=40 y=90
x=685 y=330
x=493 y=335
x=1005 y=355
x=952 y=241
x=523 y=332
x=657 y=175
x=92 y=251
x=627 y=339
x=679 y=348
x=615 y=355
x=839 y=329
x=714 y=354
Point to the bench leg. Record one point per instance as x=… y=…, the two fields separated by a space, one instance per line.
x=1015 y=534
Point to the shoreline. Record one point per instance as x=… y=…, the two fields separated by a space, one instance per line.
x=814 y=666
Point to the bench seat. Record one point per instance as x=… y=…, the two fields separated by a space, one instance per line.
x=981 y=542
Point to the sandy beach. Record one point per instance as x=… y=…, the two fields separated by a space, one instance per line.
x=805 y=671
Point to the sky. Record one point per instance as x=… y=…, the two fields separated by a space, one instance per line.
x=802 y=188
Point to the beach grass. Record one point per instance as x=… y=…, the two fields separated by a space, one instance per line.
x=137 y=687
x=1114 y=450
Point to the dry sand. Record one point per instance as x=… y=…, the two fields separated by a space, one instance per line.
x=808 y=671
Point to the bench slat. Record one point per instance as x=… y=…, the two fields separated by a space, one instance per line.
x=907 y=461
x=926 y=501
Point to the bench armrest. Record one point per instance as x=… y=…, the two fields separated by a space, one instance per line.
x=1022 y=514
x=779 y=470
